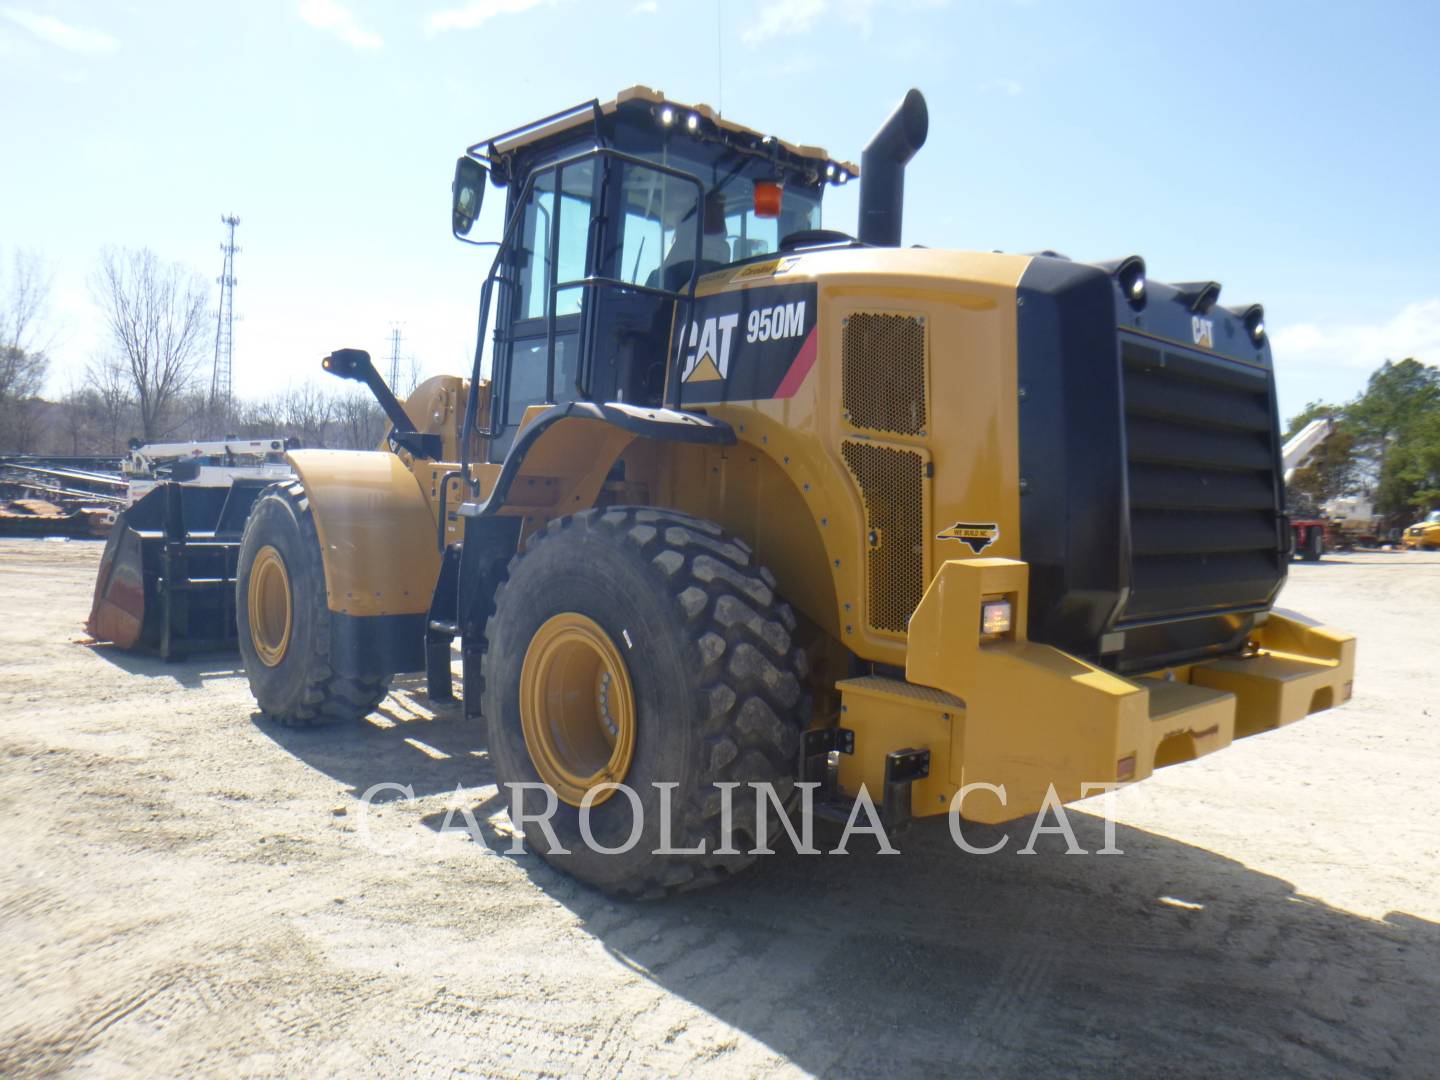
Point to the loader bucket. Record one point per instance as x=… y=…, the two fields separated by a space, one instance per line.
x=118 y=611
x=167 y=577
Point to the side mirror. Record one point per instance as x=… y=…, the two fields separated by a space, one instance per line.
x=467 y=193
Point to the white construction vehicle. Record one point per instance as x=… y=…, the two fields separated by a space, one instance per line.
x=1344 y=521
x=218 y=463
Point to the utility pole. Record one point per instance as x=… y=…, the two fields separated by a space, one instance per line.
x=221 y=384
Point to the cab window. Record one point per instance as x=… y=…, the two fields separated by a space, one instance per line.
x=574 y=234
x=656 y=208
x=659 y=214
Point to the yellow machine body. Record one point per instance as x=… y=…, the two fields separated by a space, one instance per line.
x=1423 y=535
x=1006 y=712
x=992 y=710
x=1025 y=717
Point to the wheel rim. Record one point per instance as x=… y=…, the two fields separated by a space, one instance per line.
x=269 y=604
x=577 y=707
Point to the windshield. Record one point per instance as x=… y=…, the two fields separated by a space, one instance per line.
x=1433 y=518
x=657 y=242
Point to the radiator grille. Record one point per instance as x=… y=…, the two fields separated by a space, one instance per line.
x=1205 y=527
x=892 y=485
x=882 y=372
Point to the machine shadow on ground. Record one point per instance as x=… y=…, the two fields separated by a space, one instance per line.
x=1168 y=959
x=409 y=740
x=192 y=673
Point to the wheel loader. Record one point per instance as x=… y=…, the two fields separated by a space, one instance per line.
x=729 y=498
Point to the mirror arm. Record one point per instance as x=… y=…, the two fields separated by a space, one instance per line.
x=355 y=364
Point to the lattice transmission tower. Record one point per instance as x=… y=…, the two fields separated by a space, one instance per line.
x=395 y=339
x=221 y=384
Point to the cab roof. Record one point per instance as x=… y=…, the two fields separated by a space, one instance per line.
x=499 y=151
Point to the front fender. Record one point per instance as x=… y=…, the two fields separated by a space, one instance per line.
x=563 y=453
x=376 y=530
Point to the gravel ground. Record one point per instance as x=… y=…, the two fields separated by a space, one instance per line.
x=186 y=890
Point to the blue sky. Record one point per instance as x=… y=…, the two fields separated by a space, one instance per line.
x=1287 y=150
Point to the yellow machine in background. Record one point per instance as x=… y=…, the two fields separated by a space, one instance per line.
x=753 y=502
x=1424 y=535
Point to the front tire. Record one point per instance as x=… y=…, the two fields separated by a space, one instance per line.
x=283 y=622
x=647 y=647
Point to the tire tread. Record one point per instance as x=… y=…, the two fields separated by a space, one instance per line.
x=751 y=701
x=329 y=697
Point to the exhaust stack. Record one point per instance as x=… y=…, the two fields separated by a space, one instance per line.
x=882 y=170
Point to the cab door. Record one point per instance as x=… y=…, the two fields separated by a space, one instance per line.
x=555 y=247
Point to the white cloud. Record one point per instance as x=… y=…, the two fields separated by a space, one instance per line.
x=333 y=16
x=76 y=39
x=1008 y=87
x=786 y=18
x=1413 y=331
x=476 y=13
x=645 y=7
x=782 y=18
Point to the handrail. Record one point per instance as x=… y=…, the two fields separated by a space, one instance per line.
x=478 y=151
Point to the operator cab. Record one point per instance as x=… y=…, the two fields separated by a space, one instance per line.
x=613 y=212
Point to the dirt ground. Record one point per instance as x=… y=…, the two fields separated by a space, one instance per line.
x=185 y=889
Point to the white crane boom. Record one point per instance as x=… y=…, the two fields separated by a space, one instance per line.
x=1298 y=449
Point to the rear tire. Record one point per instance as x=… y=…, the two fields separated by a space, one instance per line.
x=283 y=622
x=712 y=681
x=1314 y=545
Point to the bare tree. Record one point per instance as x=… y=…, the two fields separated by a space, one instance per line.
x=81 y=416
x=263 y=417
x=198 y=418
x=155 y=313
x=24 y=303
x=359 y=420
x=109 y=378
x=308 y=411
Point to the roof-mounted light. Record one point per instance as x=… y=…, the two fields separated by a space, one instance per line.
x=1129 y=275
x=1255 y=323
x=1253 y=318
x=1132 y=283
x=692 y=122
x=667 y=116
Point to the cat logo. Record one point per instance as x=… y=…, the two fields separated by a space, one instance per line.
x=709 y=357
x=978 y=537
x=1203 y=331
